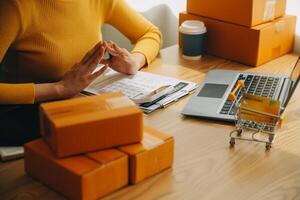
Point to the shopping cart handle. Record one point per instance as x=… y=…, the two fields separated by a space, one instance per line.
x=240 y=84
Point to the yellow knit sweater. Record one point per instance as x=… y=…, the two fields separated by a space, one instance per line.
x=41 y=40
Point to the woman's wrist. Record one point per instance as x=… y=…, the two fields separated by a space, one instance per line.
x=48 y=92
x=60 y=90
x=140 y=61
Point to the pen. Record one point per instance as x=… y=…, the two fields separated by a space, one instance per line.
x=175 y=89
x=150 y=97
x=175 y=99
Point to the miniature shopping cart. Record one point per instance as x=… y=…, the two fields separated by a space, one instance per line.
x=256 y=129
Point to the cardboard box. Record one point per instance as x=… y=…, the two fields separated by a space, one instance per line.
x=250 y=46
x=154 y=154
x=80 y=177
x=243 y=12
x=90 y=123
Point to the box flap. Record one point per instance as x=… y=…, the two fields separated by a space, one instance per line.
x=268 y=24
x=86 y=109
x=152 y=131
x=105 y=156
x=277 y=38
x=243 y=12
x=152 y=138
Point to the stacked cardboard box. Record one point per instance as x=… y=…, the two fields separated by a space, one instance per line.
x=150 y=156
x=92 y=146
x=81 y=125
x=251 y=32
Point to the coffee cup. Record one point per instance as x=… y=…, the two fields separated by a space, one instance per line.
x=193 y=35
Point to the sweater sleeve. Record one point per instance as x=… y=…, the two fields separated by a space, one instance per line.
x=10 y=28
x=146 y=37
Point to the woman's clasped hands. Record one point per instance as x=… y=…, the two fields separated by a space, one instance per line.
x=83 y=73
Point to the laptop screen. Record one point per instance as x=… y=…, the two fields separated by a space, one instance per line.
x=293 y=82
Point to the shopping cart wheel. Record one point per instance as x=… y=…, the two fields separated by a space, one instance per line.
x=232 y=142
x=268 y=146
x=271 y=138
x=239 y=132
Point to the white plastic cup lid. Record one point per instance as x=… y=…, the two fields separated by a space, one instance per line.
x=192 y=27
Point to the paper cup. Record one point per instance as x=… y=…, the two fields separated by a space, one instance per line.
x=193 y=35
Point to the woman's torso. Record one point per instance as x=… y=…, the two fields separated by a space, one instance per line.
x=55 y=35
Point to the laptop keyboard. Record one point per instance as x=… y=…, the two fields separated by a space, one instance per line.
x=255 y=85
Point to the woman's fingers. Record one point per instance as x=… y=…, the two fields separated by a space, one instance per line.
x=90 y=53
x=114 y=47
x=117 y=48
x=93 y=76
x=83 y=67
x=116 y=53
x=94 y=63
x=91 y=61
x=112 y=51
x=121 y=51
x=95 y=59
x=109 y=43
x=106 y=62
x=110 y=48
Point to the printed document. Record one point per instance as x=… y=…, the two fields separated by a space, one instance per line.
x=139 y=84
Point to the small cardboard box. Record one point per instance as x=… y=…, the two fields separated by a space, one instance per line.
x=243 y=12
x=80 y=177
x=87 y=124
x=154 y=154
x=251 y=46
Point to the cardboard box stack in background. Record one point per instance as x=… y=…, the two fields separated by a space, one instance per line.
x=242 y=12
x=251 y=32
x=84 y=131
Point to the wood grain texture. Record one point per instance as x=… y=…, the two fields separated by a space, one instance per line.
x=205 y=167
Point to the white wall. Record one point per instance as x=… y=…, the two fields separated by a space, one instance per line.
x=293 y=7
x=143 y=5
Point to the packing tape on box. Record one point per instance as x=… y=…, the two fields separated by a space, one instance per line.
x=150 y=142
x=269 y=13
x=86 y=107
x=75 y=109
x=280 y=26
x=119 y=102
x=276 y=50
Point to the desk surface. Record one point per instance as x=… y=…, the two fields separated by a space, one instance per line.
x=205 y=167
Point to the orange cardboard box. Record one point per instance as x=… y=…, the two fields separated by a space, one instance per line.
x=154 y=154
x=243 y=12
x=80 y=177
x=87 y=124
x=251 y=46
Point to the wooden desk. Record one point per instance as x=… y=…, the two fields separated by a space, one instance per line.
x=205 y=167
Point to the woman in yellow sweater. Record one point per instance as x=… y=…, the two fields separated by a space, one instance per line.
x=49 y=50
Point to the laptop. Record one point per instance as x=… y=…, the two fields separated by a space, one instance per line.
x=211 y=98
